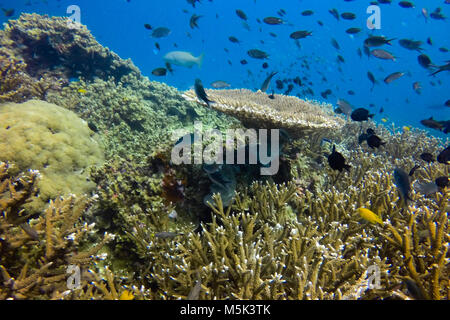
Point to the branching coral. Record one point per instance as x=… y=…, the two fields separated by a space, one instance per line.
x=418 y=243
x=254 y=251
x=36 y=253
x=256 y=110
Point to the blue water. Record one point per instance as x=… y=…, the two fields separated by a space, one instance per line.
x=119 y=25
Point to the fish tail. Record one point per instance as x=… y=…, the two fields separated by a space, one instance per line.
x=200 y=60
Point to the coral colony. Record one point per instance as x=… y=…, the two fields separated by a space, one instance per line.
x=98 y=201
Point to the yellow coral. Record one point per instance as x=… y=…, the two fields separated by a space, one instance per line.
x=43 y=136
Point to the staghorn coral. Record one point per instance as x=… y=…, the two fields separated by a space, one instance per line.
x=35 y=253
x=255 y=251
x=42 y=136
x=418 y=242
x=256 y=110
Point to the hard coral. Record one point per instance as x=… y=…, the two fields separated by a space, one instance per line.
x=45 y=137
x=35 y=253
x=255 y=109
x=45 y=43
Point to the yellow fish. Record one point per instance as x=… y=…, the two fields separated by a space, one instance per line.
x=406 y=128
x=384 y=120
x=82 y=91
x=126 y=295
x=368 y=215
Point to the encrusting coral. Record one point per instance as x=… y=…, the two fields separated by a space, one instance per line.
x=42 y=136
x=256 y=110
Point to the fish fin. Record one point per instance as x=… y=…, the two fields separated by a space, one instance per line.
x=371 y=115
x=200 y=60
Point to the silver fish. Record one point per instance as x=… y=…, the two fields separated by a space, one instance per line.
x=195 y=291
x=382 y=54
x=266 y=82
x=393 y=76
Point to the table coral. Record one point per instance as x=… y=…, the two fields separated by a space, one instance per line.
x=256 y=110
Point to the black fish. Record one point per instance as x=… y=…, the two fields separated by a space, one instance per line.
x=362 y=137
x=169 y=67
x=337 y=161
x=300 y=34
x=257 y=54
x=348 y=15
x=406 y=4
x=159 y=72
x=401 y=179
x=334 y=13
x=273 y=20
x=265 y=65
x=193 y=21
x=414 y=289
x=266 y=82
x=147 y=26
x=442 y=182
x=193 y=2
x=8 y=12
x=243 y=61
x=335 y=44
x=427 y=157
x=361 y=114
x=233 y=39
x=411 y=44
x=371 y=78
x=373 y=141
x=353 y=30
x=444 y=156
x=411 y=172
x=200 y=92
x=241 y=14
x=432 y=124
x=376 y=41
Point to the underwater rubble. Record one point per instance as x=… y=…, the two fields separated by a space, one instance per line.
x=140 y=228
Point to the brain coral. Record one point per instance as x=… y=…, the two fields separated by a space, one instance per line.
x=256 y=109
x=42 y=136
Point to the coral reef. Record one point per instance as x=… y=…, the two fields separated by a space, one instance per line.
x=36 y=252
x=49 y=43
x=224 y=231
x=135 y=116
x=256 y=110
x=41 y=136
